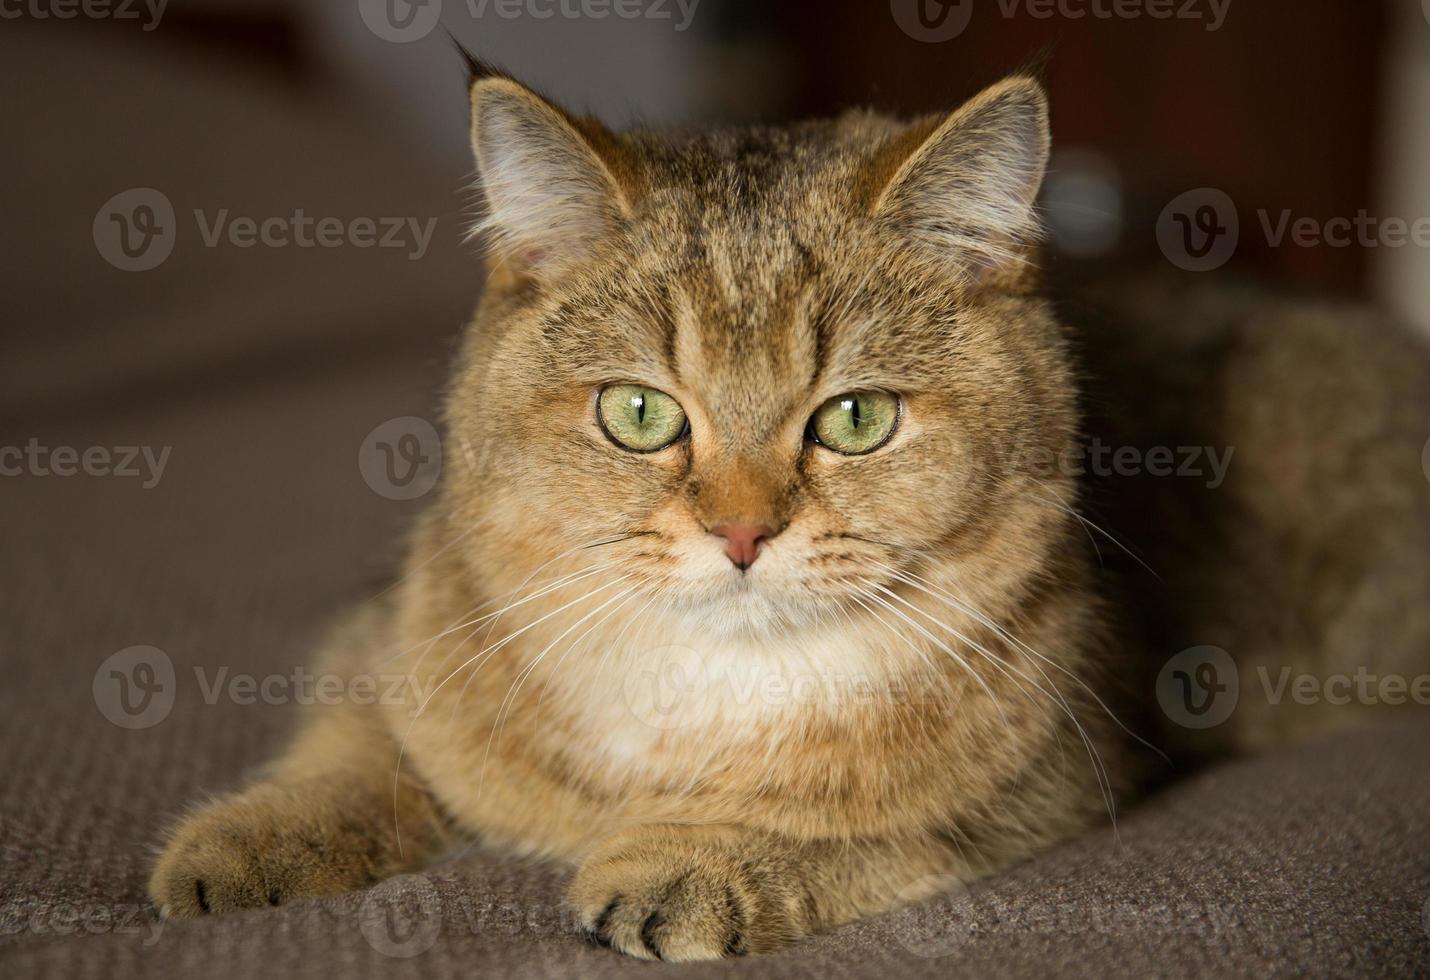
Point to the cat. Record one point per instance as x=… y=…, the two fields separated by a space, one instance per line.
x=735 y=602
x=1306 y=556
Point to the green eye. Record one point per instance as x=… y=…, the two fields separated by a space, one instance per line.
x=857 y=423
x=640 y=419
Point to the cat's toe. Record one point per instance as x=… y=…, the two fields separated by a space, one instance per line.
x=667 y=927
x=199 y=875
x=258 y=849
x=695 y=914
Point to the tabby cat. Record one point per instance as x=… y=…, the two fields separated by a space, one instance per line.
x=734 y=599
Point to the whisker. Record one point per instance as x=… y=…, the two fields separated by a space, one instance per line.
x=630 y=593
x=480 y=619
x=491 y=619
x=485 y=654
x=1065 y=508
x=599 y=543
x=510 y=699
x=402 y=747
x=902 y=576
x=968 y=610
x=429 y=560
x=948 y=650
x=1103 y=780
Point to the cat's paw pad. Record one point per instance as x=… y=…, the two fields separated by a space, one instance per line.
x=661 y=907
x=250 y=851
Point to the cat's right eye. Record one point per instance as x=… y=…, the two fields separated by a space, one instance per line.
x=638 y=418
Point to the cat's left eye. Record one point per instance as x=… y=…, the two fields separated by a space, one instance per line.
x=638 y=418
x=855 y=423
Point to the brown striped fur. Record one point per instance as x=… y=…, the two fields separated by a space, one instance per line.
x=751 y=274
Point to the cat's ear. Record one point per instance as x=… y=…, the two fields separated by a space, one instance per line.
x=548 y=179
x=965 y=187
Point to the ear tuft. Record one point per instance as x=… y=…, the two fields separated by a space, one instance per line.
x=966 y=192
x=550 y=196
x=477 y=69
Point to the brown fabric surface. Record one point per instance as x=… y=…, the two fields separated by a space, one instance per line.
x=264 y=372
x=1314 y=861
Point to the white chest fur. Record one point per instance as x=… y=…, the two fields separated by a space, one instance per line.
x=670 y=705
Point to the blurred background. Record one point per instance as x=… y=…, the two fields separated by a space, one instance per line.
x=1292 y=109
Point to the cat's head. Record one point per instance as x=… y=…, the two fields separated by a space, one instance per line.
x=752 y=371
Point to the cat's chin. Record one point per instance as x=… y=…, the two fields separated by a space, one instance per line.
x=746 y=609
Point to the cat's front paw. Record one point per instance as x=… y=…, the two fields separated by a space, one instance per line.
x=266 y=846
x=666 y=894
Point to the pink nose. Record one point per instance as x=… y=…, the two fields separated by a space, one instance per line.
x=742 y=541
